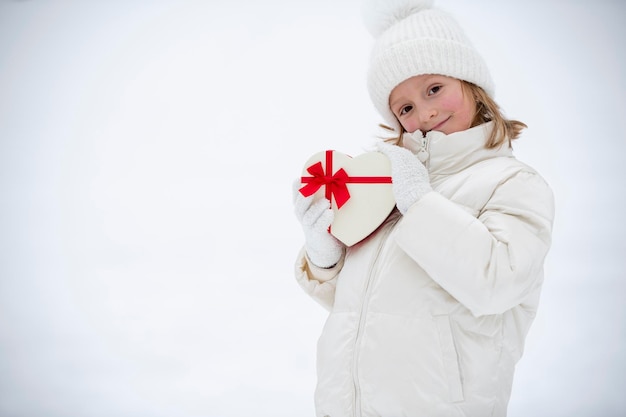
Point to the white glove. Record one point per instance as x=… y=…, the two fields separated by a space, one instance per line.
x=322 y=248
x=409 y=176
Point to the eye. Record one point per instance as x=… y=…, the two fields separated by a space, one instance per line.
x=434 y=90
x=404 y=110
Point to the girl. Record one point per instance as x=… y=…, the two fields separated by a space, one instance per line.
x=429 y=314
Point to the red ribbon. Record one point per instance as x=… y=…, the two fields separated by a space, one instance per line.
x=336 y=184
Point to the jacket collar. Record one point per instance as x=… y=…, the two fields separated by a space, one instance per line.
x=445 y=155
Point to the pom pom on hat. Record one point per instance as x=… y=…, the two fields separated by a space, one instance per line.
x=412 y=38
x=379 y=16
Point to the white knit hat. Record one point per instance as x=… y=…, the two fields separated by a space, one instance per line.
x=412 y=38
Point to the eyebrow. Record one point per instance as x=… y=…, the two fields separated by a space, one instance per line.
x=393 y=104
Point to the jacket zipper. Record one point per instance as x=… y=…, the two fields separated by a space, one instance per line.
x=424 y=153
x=359 y=334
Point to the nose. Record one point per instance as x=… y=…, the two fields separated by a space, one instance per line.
x=420 y=119
x=426 y=115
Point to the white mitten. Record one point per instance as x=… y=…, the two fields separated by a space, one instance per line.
x=322 y=248
x=409 y=176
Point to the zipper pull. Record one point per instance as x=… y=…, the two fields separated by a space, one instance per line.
x=423 y=154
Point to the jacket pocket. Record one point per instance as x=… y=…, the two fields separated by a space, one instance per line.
x=450 y=358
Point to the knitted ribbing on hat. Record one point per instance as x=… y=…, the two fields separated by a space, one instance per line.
x=412 y=38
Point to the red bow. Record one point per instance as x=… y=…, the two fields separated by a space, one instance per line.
x=336 y=184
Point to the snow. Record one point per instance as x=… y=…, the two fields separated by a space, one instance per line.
x=147 y=241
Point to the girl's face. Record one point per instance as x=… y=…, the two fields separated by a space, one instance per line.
x=432 y=102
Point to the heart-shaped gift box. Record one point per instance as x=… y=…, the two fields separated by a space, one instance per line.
x=358 y=188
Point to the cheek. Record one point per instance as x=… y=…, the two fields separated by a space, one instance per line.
x=410 y=125
x=454 y=103
x=463 y=108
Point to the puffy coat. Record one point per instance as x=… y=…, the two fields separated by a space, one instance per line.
x=428 y=315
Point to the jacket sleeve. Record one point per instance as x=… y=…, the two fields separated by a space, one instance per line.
x=489 y=263
x=318 y=282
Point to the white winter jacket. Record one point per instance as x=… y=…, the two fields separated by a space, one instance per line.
x=429 y=314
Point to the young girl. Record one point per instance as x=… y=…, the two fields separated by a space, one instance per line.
x=428 y=315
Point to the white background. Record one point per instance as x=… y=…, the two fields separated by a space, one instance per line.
x=147 y=241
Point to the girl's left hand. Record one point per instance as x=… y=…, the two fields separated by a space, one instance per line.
x=409 y=176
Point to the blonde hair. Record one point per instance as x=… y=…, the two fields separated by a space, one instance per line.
x=487 y=110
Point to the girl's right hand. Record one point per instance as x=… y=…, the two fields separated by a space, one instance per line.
x=322 y=248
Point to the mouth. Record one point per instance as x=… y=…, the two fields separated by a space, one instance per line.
x=438 y=126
